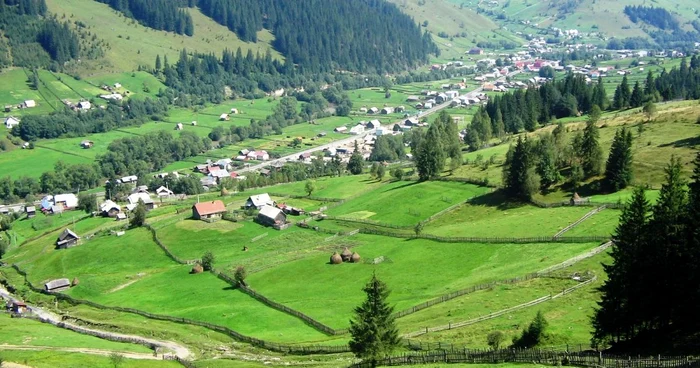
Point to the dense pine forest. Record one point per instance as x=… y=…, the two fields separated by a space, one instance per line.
x=658 y=17
x=328 y=35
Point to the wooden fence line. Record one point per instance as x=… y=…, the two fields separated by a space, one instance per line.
x=500 y=312
x=548 y=357
x=489 y=240
x=582 y=219
x=319 y=199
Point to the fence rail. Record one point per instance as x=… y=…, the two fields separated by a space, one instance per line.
x=577 y=222
x=489 y=240
x=319 y=199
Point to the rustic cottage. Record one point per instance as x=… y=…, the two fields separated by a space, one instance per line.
x=272 y=216
x=55 y=286
x=259 y=201
x=208 y=210
x=67 y=239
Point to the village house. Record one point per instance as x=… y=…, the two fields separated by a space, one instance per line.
x=234 y=110
x=341 y=129
x=110 y=209
x=272 y=216
x=475 y=51
x=179 y=126
x=67 y=239
x=128 y=179
x=31 y=211
x=387 y=110
x=28 y=104
x=84 y=105
x=162 y=192
x=363 y=110
x=259 y=201
x=372 y=110
x=134 y=198
x=87 y=144
x=208 y=210
x=140 y=189
x=11 y=122
x=357 y=129
x=374 y=124
x=112 y=96
x=68 y=201
x=55 y=286
x=224 y=117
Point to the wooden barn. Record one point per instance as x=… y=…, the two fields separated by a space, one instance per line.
x=67 y=239
x=208 y=210
x=272 y=216
x=55 y=286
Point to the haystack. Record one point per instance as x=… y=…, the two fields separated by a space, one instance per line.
x=346 y=255
x=75 y=282
x=197 y=269
x=336 y=259
x=355 y=257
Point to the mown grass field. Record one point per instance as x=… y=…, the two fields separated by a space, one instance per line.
x=406 y=203
x=498 y=219
x=330 y=292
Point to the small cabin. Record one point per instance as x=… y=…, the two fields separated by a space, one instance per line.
x=272 y=216
x=67 y=239
x=208 y=210
x=31 y=211
x=56 y=286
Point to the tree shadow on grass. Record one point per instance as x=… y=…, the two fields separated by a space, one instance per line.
x=496 y=199
x=691 y=142
x=408 y=184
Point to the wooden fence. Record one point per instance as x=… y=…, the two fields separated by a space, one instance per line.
x=167 y=250
x=529 y=356
x=489 y=240
x=282 y=348
x=577 y=222
x=369 y=222
x=319 y=199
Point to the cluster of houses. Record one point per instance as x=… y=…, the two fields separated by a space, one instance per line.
x=215 y=171
x=384 y=110
x=53 y=205
x=82 y=105
x=26 y=104
x=270 y=213
x=255 y=155
x=227 y=116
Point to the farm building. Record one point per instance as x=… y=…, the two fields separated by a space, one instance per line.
x=234 y=111
x=372 y=110
x=357 y=129
x=164 y=192
x=120 y=217
x=31 y=211
x=84 y=105
x=387 y=110
x=475 y=51
x=67 y=239
x=224 y=117
x=272 y=216
x=110 y=209
x=58 y=285
x=11 y=122
x=68 y=201
x=178 y=126
x=259 y=201
x=341 y=129
x=128 y=179
x=208 y=210
x=29 y=103
x=87 y=144
x=374 y=124
x=8 y=108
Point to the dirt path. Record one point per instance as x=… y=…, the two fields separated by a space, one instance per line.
x=14 y=365
x=123 y=285
x=49 y=317
x=130 y=355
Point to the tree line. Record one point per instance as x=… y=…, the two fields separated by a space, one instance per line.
x=533 y=166
x=63 y=178
x=651 y=296
x=657 y=17
x=164 y=15
x=68 y=123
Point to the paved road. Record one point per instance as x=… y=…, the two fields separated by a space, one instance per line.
x=352 y=138
x=49 y=317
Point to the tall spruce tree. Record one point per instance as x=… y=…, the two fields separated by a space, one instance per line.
x=591 y=154
x=546 y=166
x=637 y=97
x=430 y=156
x=618 y=170
x=356 y=163
x=373 y=330
x=519 y=176
x=617 y=317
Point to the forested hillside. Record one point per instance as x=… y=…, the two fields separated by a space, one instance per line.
x=323 y=35
x=164 y=15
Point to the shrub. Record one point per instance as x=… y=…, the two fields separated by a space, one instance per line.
x=240 y=275
x=495 y=339
x=207 y=261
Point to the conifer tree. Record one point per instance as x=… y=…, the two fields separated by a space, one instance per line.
x=430 y=156
x=591 y=154
x=546 y=166
x=373 y=330
x=637 y=97
x=519 y=176
x=618 y=170
x=356 y=163
x=138 y=217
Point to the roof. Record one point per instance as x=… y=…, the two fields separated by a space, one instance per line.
x=109 y=205
x=270 y=212
x=55 y=284
x=30 y=209
x=134 y=198
x=260 y=200
x=67 y=234
x=209 y=208
x=163 y=190
x=69 y=199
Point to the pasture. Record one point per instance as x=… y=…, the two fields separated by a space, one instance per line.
x=406 y=203
x=330 y=292
x=488 y=217
x=61 y=359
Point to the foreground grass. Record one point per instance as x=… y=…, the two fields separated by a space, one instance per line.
x=55 y=359
x=27 y=332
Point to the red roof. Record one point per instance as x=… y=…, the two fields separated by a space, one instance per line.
x=233 y=174
x=214 y=168
x=208 y=208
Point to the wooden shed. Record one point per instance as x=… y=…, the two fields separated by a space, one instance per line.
x=67 y=239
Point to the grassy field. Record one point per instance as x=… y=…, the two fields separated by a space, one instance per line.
x=602 y=223
x=131 y=44
x=407 y=203
x=56 y=359
x=329 y=292
x=489 y=218
x=342 y=187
